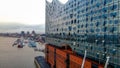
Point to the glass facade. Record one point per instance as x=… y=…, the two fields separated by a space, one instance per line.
x=92 y=25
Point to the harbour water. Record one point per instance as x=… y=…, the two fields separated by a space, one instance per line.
x=13 y=57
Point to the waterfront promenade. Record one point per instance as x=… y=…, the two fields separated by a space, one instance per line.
x=13 y=57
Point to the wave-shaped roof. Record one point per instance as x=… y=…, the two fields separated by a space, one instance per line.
x=61 y=1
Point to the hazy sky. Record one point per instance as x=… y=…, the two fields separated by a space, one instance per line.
x=30 y=12
x=22 y=11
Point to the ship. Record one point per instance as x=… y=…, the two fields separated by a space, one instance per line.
x=83 y=33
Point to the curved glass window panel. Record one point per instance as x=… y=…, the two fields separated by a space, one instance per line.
x=66 y=23
x=78 y=31
x=104 y=16
x=75 y=21
x=114 y=14
x=71 y=15
x=104 y=9
x=91 y=1
x=104 y=23
x=87 y=3
x=108 y=1
x=97 y=30
x=116 y=22
x=82 y=26
x=113 y=7
x=104 y=29
x=115 y=28
x=87 y=9
x=70 y=28
x=112 y=29
x=99 y=16
x=78 y=21
x=74 y=28
x=105 y=1
x=91 y=18
x=86 y=25
x=78 y=26
x=92 y=30
x=97 y=24
x=72 y=22
x=78 y=16
x=110 y=21
x=114 y=51
x=86 y=19
x=87 y=31
x=98 y=4
x=91 y=24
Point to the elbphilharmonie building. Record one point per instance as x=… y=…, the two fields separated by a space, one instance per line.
x=86 y=25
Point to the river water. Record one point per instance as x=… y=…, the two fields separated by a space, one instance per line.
x=13 y=57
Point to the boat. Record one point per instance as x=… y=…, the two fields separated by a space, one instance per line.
x=20 y=46
x=32 y=43
x=15 y=43
x=21 y=43
x=40 y=62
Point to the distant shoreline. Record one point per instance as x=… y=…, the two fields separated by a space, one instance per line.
x=8 y=37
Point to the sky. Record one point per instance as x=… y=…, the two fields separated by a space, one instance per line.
x=20 y=13
x=31 y=12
